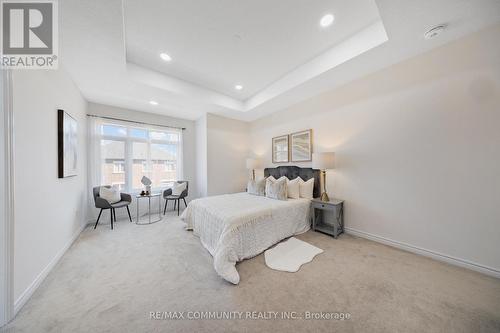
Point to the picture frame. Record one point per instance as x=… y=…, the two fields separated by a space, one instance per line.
x=67 y=140
x=301 y=146
x=280 y=149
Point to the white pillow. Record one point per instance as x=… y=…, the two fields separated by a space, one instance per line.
x=276 y=189
x=111 y=195
x=293 y=188
x=306 y=188
x=257 y=187
x=282 y=178
x=178 y=188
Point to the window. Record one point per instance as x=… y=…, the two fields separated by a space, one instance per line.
x=169 y=166
x=118 y=166
x=128 y=152
x=119 y=185
x=112 y=161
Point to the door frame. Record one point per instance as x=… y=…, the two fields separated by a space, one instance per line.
x=7 y=202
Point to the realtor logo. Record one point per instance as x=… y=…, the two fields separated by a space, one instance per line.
x=29 y=31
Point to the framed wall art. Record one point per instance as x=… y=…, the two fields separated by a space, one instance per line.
x=280 y=149
x=67 y=133
x=301 y=146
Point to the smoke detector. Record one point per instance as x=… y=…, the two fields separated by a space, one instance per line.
x=434 y=31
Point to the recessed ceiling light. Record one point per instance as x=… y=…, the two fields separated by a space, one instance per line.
x=238 y=87
x=165 y=57
x=326 y=20
x=153 y=102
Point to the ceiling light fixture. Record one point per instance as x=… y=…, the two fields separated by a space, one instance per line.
x=153 y=102
x=326 y=20
x=434 y=31
x=165 y=57
x=238 y=87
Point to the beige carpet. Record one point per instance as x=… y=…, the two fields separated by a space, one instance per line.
x=109 y=281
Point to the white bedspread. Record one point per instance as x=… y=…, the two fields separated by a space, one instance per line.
x=233 y=227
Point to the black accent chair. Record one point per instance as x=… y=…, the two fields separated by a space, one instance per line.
x=167 y=195
x=101 y=203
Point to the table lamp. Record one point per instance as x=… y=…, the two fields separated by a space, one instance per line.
x=252 y=164
x=147 y=183
x=323 y=162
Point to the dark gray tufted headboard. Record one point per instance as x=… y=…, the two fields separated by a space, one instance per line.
x=292 y=172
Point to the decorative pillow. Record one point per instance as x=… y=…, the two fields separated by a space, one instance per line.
x=306 y=188
x=276 y=189
x=111 y=195
x=257 y=187
x=178 y=188
x=293 y=188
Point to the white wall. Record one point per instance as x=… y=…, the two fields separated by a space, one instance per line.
x=201 y=156
x=227 y=148
x=222 y=144
x=417 y=148
x=49 y=212
x=3 y=213
x=188 y=144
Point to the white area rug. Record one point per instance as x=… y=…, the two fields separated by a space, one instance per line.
x=290 y=255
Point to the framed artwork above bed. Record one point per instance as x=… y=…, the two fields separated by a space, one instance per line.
x=301 y=146
x=280 y=149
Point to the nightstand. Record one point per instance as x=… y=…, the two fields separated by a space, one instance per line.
x=328 y=216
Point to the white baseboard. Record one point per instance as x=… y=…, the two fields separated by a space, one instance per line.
x=25 y=296
x=428 y=253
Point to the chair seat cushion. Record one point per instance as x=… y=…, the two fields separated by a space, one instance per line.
x=172 y=197
x=120 y=204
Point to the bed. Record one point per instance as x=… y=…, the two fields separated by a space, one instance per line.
x=234 y=227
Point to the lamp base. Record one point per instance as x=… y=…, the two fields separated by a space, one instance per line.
x=324 y=197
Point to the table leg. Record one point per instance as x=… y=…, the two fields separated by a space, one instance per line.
x=335 y=230
x=340 y=218
x=149 y=210
x=159 y=207
x=313 y=219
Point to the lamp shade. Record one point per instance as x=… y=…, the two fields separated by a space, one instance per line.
x=146 y=181
x=252 y=163
x=323 y=161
